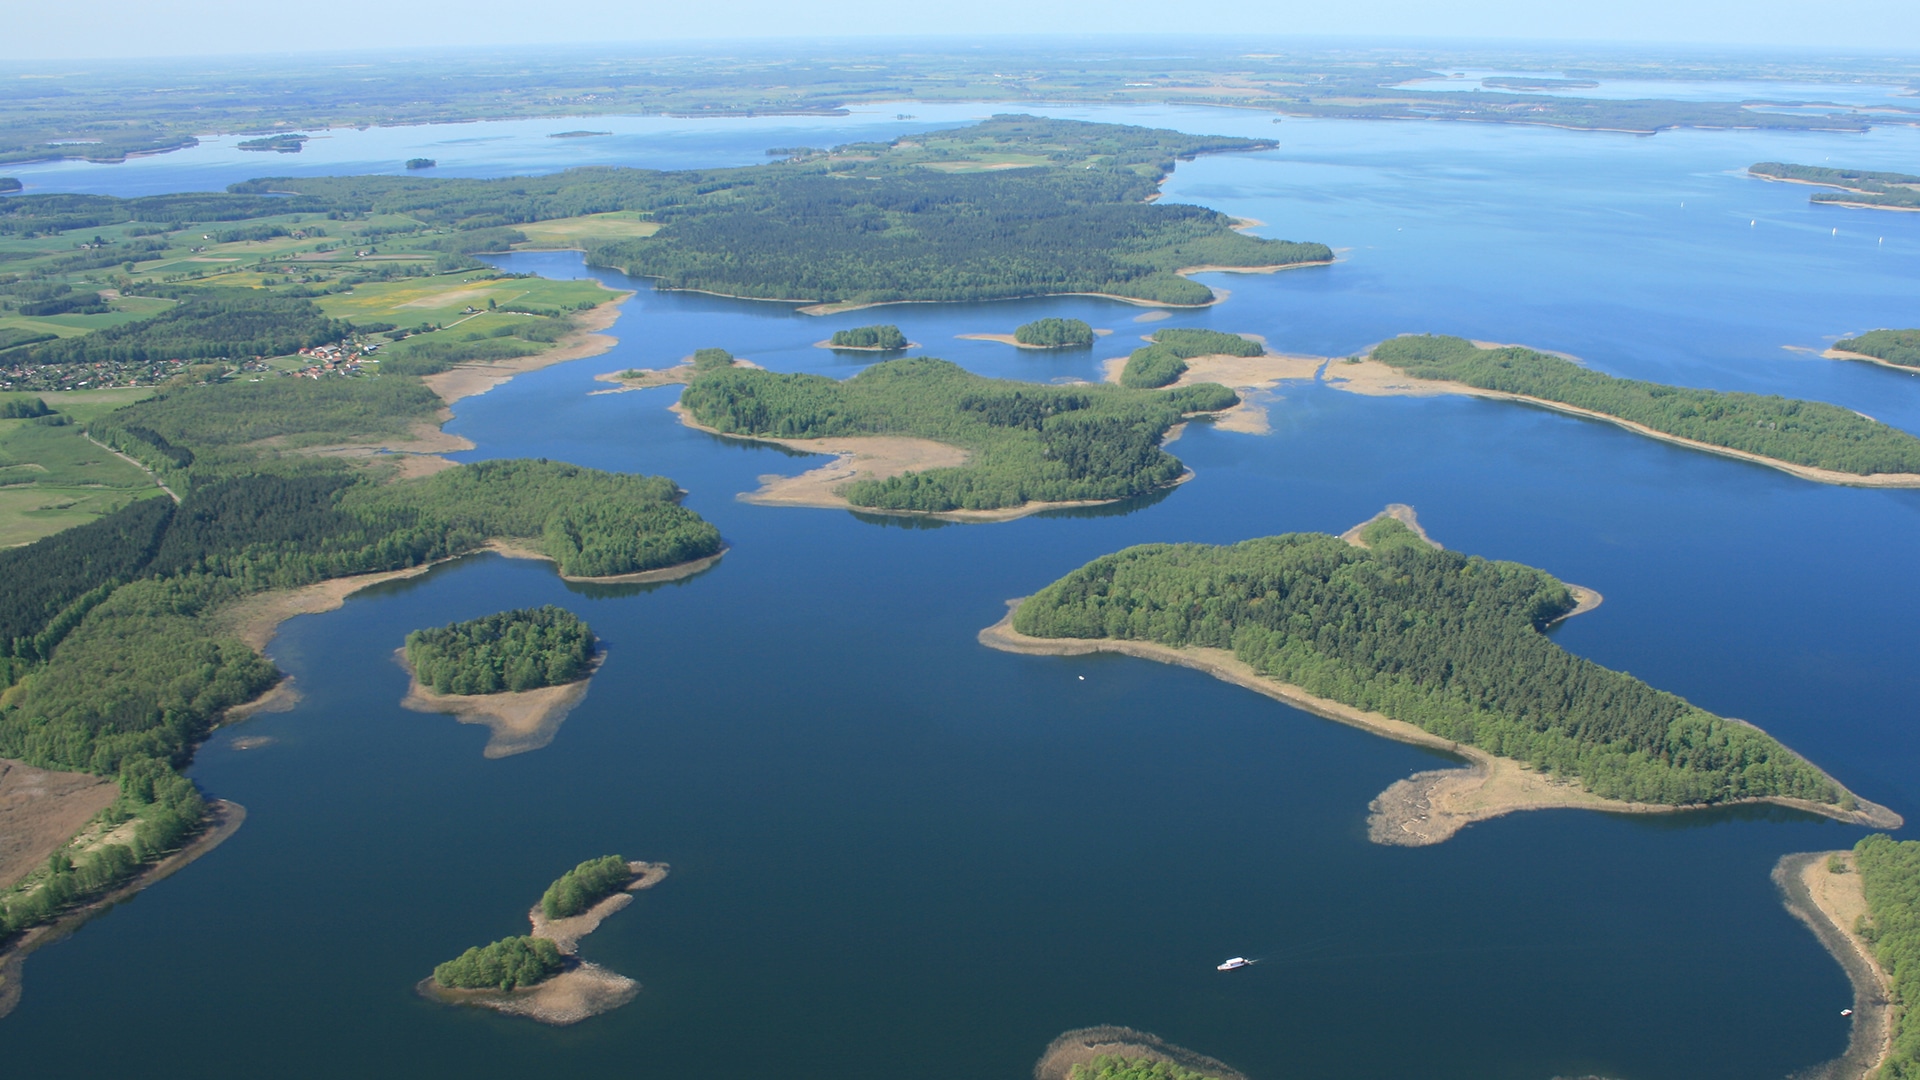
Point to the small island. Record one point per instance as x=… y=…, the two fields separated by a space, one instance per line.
x=958 y=445
x=540 y=975
x=1888 y=348
x=885 y=337
x=1162 y=362
x=517 y=672
x=279 y=144
x=1054 y=334
x=9 y=185
x=1387 y=631
x=1111 y=1052
x=1862 y=188
x=421 y=163
x=577 y=134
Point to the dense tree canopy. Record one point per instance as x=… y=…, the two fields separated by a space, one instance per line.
x=1116 y=1067
x=1054 y=333
x=1026 y=442
x=1890 y=875
x=884 y=336
x=205 y=324
x=584 y=886
x=1894 y=346
x=1445 y=641
x=517 y=650
x=508 y=964
x=1800 y=432
x=1163 y=362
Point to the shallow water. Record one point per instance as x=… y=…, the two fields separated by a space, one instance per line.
x=892 y=845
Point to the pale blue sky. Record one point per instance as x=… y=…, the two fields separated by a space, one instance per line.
x=55 y=29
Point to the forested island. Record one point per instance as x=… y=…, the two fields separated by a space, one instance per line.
x=540 y=975
x=513 y=651
x=1118 y=1053
x=1898 y=348
x=1890 y=877
x=1826 y=441
x=1054 y=334
x=1403 y=631
x=1861 y=187
x=283 y=144
x=1165 y=360
x=1023 y=442
x=881 y=338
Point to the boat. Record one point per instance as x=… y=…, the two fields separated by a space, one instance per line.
x=1234 y=964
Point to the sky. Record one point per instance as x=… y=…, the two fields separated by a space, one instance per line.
x=49 y=30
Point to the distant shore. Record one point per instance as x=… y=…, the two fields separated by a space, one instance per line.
x=1842 y=354
x=1831 y=904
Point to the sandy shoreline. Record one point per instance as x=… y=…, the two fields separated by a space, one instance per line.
x=520 y=720
x=223 y=820
x=468 y=380
x=583 y=989
x=1009 y=339
x=827 y=343
x=1830 y=904
x=1842 y=354
x=1252 y=377
x=871 y=457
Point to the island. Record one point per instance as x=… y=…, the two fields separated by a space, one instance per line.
x=518 y=672
x=1162 y=362
x=1809 y=439
x=414 y=164
x=1861 y=188
x=1389 y=632
x=1111 y=1052
x=281 y=144
x=1054 y=334
x=953 y=443
x=1898 y=349
x=881 y=338
x=9 y=184
x=577 y=134
x=540 y=975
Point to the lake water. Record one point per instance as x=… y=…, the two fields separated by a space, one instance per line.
x=897 y=851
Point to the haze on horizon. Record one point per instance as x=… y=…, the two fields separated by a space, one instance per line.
x=38 y=30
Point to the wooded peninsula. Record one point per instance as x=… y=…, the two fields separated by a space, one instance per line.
x=1447 y=642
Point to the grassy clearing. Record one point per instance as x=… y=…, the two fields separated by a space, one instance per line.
x=445 y=298
x=577 y=232
x=52 y=478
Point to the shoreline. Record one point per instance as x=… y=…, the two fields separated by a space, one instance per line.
x=1842 y=354
x=1428 y=807
x=1374 y=378
x=518 y=720
x=583 y=989
x=874 y=457
x=827 y=343
x=224 y=818
x=1828 y=904
x=472 y=379
x=1009 y=339
x=1082 y=1045
x=513 y=550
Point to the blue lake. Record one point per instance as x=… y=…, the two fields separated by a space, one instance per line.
x=896 y=850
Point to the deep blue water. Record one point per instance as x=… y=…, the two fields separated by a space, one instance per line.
x=895 y=850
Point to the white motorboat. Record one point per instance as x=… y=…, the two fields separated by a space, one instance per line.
x=1235 y=964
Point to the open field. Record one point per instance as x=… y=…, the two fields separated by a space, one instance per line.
x=576 y=232
x=445 y=298
x=52 y=478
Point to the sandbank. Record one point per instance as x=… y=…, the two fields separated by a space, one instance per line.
x=1831 y=905
x=1252 y=377
x=1376 y=379
x=467 y=380
x=520 y=720
x=871 y=457
x=1009 y=339
x=583 y=989
x=1153 y=316
x=223 y=820
x=1842 y=354
x=1081 y=1046
x=1427 y=807
x=648 y=378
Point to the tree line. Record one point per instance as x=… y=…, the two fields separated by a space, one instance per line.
x=524 y=649
x=884 y=336
x=1890 y=876
x=1165 y=360
x=1808 y=433
x=1026 y=442
x=1894 y=346
x=573 y=892
x=1448 y=642
x=1054 y=333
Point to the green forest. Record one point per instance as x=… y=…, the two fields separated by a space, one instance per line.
x=1026 y=442
x=1448 y=642
x=524 y=649
x=1800 y=432
x=207 y=323
x=508 y=964
x=1165 y=360
x=1894 y=346
x=1054 y=333
x=573 y=892
x=1890 y=875
x=1115 y=1067
x=885 y=336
